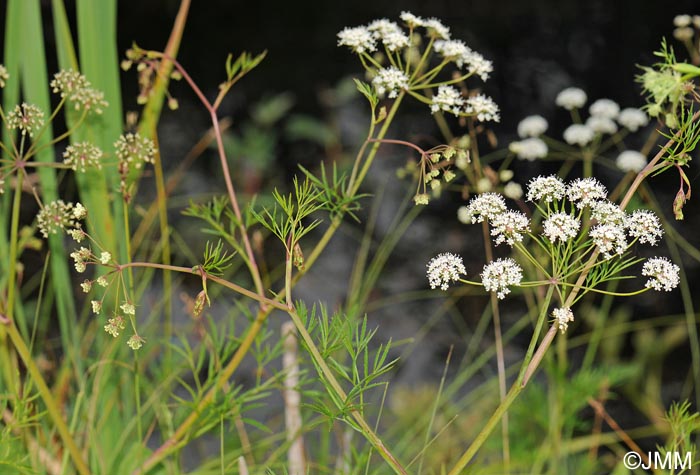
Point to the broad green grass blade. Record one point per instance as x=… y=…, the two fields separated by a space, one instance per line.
x=24 y=49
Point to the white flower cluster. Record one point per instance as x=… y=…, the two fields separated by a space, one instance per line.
x=562 y=317
x=509 y=227
x=448 y=99
x=133 y=150
x=501 y=274
x=27 y=118
x=584 y=191
x=444 y=269
x=561 y=227
x=359 y=39
x=631 y=161
x=60 y=216
x=459 y=53
x=662 y=273
x=485 y=206
x=603 y=116
x=83 y=155
x=390 y=80
x=389 y=33
x=4 y=75
x=571 y=98
x=611 y=226
x=532 y=126
x=529 y=149
x=483 y=108
x=546 y=188
x=74 y=87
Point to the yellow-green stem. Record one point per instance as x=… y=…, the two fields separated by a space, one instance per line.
x=515 y=390
x=327 y=373
x=45 y=393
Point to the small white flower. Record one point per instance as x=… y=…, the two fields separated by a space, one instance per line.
x=610 y=239
x=546 y=188
x=532 y=126
x=102 y=281
x=96 y=306
x=604 y=108
x=501 y=274
x=485 y=206
x=28 y=118
x=56 y=216
x=506 y=175
x=681 y=20
x=663 y=274
x=529 y=149
x=509 y=227
x=444 y=269
x=389 y=33
x=578 y=134
x=135 y=342
x=607 y=212
x=448 y=99
x=359 y=39
x=601 y=125
x=86 y=285
x=560 y=227
x=463 y=215
x=684 y=33
x=390 y=80
x=4 y=76
x=484 y=185
x=513 y=190
x=115 y=325
x=81 y=256
x=571 y=98
x=81 y=156
x=411 y=20
x=631 y=161
x=422 y=199
x=563 y=316
x=452 y=50
x=77 y=234
x=645 y=225
x=79 y=211
x=477 y=64
x=584 y=191
x=105 y=257
x=483 y=108
x=436 y=29
x=632 y=118
x=128 y=308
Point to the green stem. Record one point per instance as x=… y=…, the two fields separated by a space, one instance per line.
x=14 y=238
x=340 y=394
x=513 y=393
x=51 y=406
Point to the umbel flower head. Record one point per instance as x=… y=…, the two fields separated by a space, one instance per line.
x=662 y=273
x=444 y=269
x=83 y=155
x=402 y=66
x=501 y=274
x=76 y=89
x=27 y=118
x=59 y=216
x=133 y=150
x=562 y=317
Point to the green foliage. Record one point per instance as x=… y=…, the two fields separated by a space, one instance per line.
x=216 y=259
x=286 y=219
